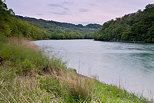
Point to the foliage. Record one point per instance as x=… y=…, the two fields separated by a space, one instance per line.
x=58 y=30
x=11 y=26
x=32 y=28
x=60 y=25
x=137 y=26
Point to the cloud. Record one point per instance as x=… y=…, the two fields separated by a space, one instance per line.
x=39 y=14
x=67 y=3
x=84 y=10
x=58 y=6
x=92 y=4
x=59 y=13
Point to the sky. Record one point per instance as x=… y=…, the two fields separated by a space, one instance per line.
x=76 y=11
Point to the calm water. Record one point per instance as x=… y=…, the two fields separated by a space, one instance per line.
x=128 y=65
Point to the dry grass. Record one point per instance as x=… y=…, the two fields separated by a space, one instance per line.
x=23 y=42
x=80 y=86
x=25 y=90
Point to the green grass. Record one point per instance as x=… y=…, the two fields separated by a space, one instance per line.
x=112 y=94
x=27 y=76
x=23 y=59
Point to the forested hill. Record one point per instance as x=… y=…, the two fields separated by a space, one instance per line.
x=12 y=25
x=60 y=30
x=61 y=25
x=137 y=26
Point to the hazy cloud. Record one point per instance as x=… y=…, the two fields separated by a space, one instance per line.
x=83 y=10
x=58 y=6
x=39 y=14
x=67 y=3
x=92 y=4
x=59 y=13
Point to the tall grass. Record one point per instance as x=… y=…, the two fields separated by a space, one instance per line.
x=27 y=76
x=23 y=59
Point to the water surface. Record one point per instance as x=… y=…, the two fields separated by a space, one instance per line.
x=128 y=65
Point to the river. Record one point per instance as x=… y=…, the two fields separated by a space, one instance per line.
x=126 y=65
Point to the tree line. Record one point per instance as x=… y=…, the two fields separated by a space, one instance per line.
x=137 y=26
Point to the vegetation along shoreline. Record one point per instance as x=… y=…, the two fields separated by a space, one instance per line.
x=28 y=76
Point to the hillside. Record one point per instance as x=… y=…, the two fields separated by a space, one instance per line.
x=137 y=26
x=60 y=25
x=12 y=25
x=60 y=30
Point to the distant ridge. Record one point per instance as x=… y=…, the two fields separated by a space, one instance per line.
x=62 y=25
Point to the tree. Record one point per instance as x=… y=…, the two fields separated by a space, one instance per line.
x=131 y=27
x=150 y=6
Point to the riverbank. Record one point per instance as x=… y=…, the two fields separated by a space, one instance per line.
x=26 y=75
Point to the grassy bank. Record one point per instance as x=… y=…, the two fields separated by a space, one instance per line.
x=27 y=76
